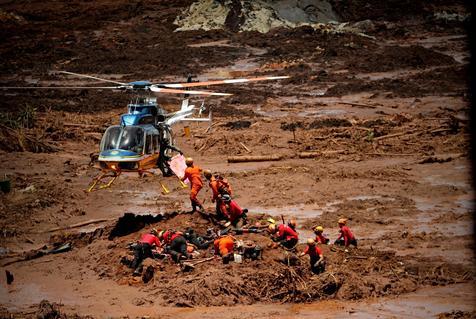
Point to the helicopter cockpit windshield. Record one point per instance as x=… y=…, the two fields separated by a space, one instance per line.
x=128 y=138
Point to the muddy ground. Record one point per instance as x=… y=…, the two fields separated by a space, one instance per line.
x=386 y=111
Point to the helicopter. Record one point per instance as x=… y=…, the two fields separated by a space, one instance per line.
x=143 y=140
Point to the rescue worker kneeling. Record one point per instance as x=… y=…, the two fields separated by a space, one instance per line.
x=318 y=264
x=346 y=237
x=285 y=235
x=175 y=244
x=143 y=250
x=233 y=212
x=224 y=247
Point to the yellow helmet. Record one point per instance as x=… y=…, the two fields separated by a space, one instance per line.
x=207 y=173
x=342 y=221
x=311 y=242
x=272 y=228
x=189 y=161
x=161 y=234
x=319 y=229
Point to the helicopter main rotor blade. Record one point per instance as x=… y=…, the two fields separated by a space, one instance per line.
x=229 y=81
x=175 y=91
x=57 y=87
x=91 y=77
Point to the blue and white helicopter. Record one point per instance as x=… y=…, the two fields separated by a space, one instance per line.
x=144 y=139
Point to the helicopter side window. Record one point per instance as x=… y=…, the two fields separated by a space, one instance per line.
x=111 y=138
x=132 y=139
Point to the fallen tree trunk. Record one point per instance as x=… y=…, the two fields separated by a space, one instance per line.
x=317 y=154
x=93 y=221
x=255 y=158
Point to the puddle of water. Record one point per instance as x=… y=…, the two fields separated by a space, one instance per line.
x=242 y=65
x=438 y=180
x=21 y=295
x=465 y=205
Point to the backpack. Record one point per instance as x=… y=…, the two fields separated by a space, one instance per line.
x=223 y=185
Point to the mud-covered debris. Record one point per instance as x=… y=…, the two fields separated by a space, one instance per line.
x=238 y=125
x=331 y=122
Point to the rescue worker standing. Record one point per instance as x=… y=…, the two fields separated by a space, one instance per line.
x=143 y=250
x=316 y=257
x=192 y=173
x=320 y=237
x=286 y=236
x=224 y=247
x=346 y=237
x=175 y=243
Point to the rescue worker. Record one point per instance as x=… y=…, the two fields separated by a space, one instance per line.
x=163 y=160
x=320 y=237
x=316 y=257
x=201 y=242
x=143 y=250
x=192 y=173
x=224 y=246
x=233 y=212
x=286 y=236
x=219 y=187
x=346 y=237
x=292 y=223
x=175 y=244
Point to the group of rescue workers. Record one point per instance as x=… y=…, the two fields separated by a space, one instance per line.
x=180 y=245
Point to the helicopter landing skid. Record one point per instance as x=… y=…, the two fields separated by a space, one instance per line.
x=103 y=180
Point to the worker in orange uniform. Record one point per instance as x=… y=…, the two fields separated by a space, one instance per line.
x=220 y=187
x=346 y=238
x=224 y=247
x=284 y=234
x=192 y=173
x=316 y=257
x=320 y=237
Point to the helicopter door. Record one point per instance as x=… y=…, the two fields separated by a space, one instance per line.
x=156 y=143
x=166 y=133
x=149 y=144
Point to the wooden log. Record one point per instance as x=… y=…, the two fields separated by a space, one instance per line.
x=393 y=135
x=92 y=221
x=358 y=104
x=255 y=158
x=317 y=154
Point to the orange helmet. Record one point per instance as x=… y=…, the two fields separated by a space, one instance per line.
x=292 y=223
x=342 y=221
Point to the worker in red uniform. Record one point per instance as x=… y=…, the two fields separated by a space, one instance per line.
x=224 y=247
x=286 y=236
x=346 y=237
x=143 y=250
x=316 y=257
x=192 y=173
x=175 y=244
x=320 y=237
x=233 y=212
